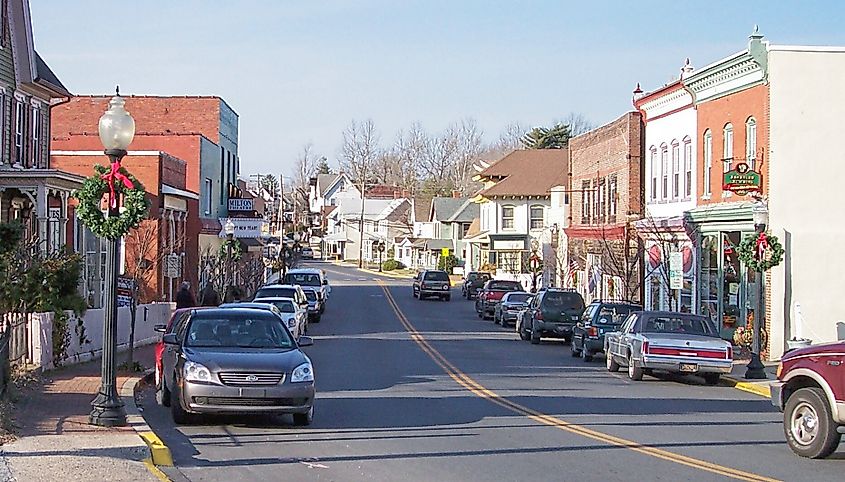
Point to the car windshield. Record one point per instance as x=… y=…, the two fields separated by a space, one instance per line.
x=253 y=330
x=311 y=295
x=436 y=276
x=302 y=279
x=504 y=286
x=564 y=300
x=518 y=297
x=275 y=292
x=684 y=325
x=616 y=314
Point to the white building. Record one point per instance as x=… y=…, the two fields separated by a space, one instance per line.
x=384 y=220
x=670 y=174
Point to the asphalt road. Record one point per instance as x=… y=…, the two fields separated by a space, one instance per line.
x=424 y=390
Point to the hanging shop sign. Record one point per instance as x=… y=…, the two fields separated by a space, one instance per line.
x=742 y=180
x=241 y=205
x=244 y=227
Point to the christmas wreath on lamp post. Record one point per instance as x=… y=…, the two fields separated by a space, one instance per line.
x=761 y=252
x=114 y=181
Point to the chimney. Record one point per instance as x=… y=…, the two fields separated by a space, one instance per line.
x=457 y=194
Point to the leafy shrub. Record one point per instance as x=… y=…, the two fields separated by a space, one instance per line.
x=447 y=263
x=392 y=264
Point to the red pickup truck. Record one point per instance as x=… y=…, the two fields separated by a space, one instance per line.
x=491 y=294
x=810 y=391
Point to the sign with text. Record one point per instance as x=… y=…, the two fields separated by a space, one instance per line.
x=509 y=244
x=742 y=180
x=172 y=265
x=241 y=205
x=244 y=227
x=676 y=271
x=124 y=290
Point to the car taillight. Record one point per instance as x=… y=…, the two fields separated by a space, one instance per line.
x=645 y=347
x=538 y=315
x=592 y=331
x=730 y=356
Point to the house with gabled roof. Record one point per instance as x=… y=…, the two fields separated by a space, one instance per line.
x=327 y=191
x=516 y=214
x=383 y=220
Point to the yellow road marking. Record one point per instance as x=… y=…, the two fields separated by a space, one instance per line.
x=156 y=471
x=479 y=390
x=158 y=450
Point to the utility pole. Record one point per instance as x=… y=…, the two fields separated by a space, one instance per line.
x=361 y=226
x=280 y=222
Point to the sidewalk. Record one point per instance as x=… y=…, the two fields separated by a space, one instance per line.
x=758 y=387
x=55 y=438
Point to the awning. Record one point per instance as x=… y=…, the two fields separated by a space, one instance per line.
x=335 y=238
x=439 y=244
x=509 y=242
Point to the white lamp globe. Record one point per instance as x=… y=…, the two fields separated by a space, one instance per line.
x=117 y=127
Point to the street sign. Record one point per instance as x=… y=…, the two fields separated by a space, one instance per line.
x=172 y=265
x=244 y=227
x=444 y=252
x=742 y=180
x=676 y=271
x=124 y=290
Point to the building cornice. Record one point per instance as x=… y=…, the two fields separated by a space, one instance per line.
x=670 y=101
x=740 y=71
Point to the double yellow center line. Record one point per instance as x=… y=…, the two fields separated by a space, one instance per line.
x=479 y=390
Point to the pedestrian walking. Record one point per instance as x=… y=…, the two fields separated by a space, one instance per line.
x=184 y=298
x=209 y=296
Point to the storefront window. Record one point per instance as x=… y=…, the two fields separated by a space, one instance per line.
x=709 y=283
x=732 y=293
x=508 y=261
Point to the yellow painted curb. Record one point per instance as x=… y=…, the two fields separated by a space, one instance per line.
x=156 y=471
x=159 y=452
x=750 y=387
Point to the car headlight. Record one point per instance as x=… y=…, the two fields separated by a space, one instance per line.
x=302 y=373
x=291 y=322
x=194 y=372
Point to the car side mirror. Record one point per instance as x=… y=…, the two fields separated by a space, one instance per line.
x=305 y=341
x=159 y=328
x=170 y=339
x=325 y=282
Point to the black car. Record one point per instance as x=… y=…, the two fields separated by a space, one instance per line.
x=491 y=294
x=599 y=318
x=552 y=313
x=473 y=282
x=508 y=309
x=432 y=283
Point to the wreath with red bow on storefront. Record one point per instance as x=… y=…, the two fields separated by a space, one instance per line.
x=761 y=252
x=115 y=182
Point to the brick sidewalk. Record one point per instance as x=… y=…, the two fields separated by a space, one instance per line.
x=64 y=400
x=55 y=437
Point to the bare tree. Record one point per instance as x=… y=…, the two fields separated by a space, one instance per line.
x=304 y=168
x=359 y=152
x=578 y=123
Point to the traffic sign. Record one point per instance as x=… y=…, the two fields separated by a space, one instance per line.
x=676 y=271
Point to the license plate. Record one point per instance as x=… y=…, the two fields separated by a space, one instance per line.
x=689 y=367
x=560 y=328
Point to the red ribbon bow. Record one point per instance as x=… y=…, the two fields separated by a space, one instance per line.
x=115 y=175
x=762 y=245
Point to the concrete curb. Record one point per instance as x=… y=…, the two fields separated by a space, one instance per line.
x=159 y=453
x=762 y=389
x=385 y=273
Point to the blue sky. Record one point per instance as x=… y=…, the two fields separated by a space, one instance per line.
x=300 y=71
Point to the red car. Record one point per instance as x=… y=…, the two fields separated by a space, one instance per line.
x=810 y=391
x=160 y=344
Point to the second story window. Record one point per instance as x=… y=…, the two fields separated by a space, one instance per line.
x=36 y=138
x=19 y=132
x=613 y=198
x=209 y=187
x=751 y=142
x=585 y=202
x=664 y=172
x=507 y=217
x=708 y=162
x=655 y=170
x=687 y=167
x=676 y=170
x=728 y=147
x=537 y=221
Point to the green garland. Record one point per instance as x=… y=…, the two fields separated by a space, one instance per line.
x=747 y=252
x=134 y=210
x=237 y=251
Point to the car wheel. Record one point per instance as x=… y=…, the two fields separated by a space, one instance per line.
x=163 y=394
x=574 y=351
x=535 y=336
x=523 y=334
x=180 y=416
x=318 y=318
x=612 y=366
x=586 y=355
x=304 y=419
x=711 y=378
x=634 y=372
x=808 y=424
x=448 y=298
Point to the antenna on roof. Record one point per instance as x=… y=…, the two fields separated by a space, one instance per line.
x=117 y=90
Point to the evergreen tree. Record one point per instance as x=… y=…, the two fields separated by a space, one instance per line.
x=323 y=167
x=556 y=137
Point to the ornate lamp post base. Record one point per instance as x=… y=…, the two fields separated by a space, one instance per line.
x=756 y=370
x=107 y=412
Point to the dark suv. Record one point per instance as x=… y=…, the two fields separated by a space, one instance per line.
x=552 y=313
x=434 y=283
x=599 y=318
x=473 y=282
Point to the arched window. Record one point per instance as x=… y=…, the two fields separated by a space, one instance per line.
x=507 y=217
x=676 y=169
x=655 y=172
x=708 y=162
x=664 y=171
x=728 y=146
x=536 y=217
x=751 y=142
x=687 y=167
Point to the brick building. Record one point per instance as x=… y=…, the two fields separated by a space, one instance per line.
x=606 y=188
x=170 y=234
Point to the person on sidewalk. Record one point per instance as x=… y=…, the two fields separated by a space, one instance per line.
x=184 y=298
x=209 y=296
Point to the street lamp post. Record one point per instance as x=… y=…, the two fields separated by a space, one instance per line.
x=116 y=128
x=229 y=229
x=381 y=248
x=535 y=264
x=297 y=237
x=756 y=370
